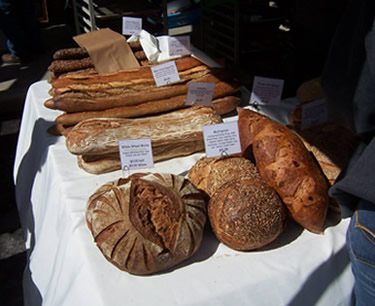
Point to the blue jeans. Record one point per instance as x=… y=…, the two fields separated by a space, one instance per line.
x=361 y=247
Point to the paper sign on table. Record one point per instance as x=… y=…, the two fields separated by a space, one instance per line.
x=266 y=91
x=221 y=139
x=314 y=113
x=131 y=25
x=179 y=45
x=109 y=50
x=135 y=154
x=165 y=73
x=200 y=93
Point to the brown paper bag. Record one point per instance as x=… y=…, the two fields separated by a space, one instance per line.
x=109 y=50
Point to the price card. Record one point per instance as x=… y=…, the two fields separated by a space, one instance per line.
x=314 y=113
x=179 y=45
x=200 y=93
x=221 y=139
x=135 y=154
x=266 y=91
x=165 y=73
x=131 y=25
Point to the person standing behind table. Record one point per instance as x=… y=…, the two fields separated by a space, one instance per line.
x=21 y=29
x=348 y=80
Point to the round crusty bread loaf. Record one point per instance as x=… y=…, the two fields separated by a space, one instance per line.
x=209 y=173
x=246 y=214
x=148 y=222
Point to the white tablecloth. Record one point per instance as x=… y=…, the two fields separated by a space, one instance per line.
x=66 y=268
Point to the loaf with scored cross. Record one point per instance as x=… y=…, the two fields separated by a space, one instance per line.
x=147 y=223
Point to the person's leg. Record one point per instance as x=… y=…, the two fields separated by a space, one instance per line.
x=361 y=246
x=13 y=27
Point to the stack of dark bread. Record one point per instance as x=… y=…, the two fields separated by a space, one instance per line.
x=77 y=59
x=132 y=93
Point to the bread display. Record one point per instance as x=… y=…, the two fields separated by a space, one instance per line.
x=147 y=223
x=285 y=163
x=209 y=174
x=246 y=214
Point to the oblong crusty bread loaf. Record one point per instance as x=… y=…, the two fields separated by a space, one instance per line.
x=246 y=214
x=285 y=163
x=101 y=136
x=148 y=222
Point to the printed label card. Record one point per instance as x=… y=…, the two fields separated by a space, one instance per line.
x=200 y=93
x=266 y=91
x=165 y=73
x=135 y=154
x=131 y=25
x=221 y=139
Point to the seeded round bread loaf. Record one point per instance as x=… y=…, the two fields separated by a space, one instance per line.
x=148 y=222
x=209 y=173
x=246 y=214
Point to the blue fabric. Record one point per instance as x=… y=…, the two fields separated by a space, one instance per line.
x=349 y=83
x=361 y=246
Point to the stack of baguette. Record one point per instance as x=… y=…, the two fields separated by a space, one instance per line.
x=77 y=59
x=132 y=93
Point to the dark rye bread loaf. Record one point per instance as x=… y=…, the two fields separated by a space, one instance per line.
x=148 y=222
x=246 y=214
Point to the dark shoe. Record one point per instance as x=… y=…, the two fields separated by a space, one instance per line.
x=9 y=58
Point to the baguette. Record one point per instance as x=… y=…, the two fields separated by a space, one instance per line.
x=142 y=72
x=285 y=164
x=100 y=136
x=96 y=101
x=148 y=108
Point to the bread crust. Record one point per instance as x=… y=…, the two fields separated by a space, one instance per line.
x=208 y=174
x=285 y=163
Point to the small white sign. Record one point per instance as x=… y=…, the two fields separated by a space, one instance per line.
x=131 y=25
x=200 y=93
x=165 y=73
x=179 y=45
x=221 y=139
x=266 y=91
x=135 y=154
x=314 y=113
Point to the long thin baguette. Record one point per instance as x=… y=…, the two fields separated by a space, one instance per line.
x=100 y=136
x=153 y=107
x=123 y=75
x=97 y=103
x=221 y=106
x=116 y=87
